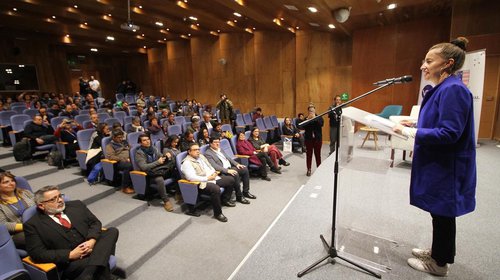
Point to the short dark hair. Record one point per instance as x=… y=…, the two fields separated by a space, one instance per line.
x=191 y=145
x=212 y=139
x=142 y=136
x=117 y=132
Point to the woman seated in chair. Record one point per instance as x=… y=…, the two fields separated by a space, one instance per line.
x=273 y=152
x=244 y=147
x=66 y=131
x=171 y=145
x=203 y=137
x=154 y=127
x=13 y=202
x=292 y=131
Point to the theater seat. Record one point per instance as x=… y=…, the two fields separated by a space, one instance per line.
x=11 y=266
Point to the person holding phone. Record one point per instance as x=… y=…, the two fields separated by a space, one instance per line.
x=313 y=138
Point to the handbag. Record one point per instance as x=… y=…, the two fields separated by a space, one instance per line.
x=287 y=145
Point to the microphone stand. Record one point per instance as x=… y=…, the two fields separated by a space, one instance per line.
x=332 y=251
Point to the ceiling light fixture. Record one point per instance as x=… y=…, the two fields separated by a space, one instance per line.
x=237 y=14
x=214 y=33
x=67 y=35
x=54 y=17
x=312 y=9
x=277 y=21
x=182 y=4
x=140 y=7
x=86 y=23
x=391 y=6
x=94 y=50
x=75 y=6
x=249 y=30
x=342 y=14
x=331 y=26
x=193 y=18
x=110 y=15
x=159 y=23
x=144 y=47
x=14 y=9
x=240 y=2
x=110 y=38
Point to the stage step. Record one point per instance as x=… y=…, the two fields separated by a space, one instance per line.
x=34 y=170
x=144 y=235
x=6 y=152
x=88 y=194
x=9 y=163
x=117 y=208
x=63 y=179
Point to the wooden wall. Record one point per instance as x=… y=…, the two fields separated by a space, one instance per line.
x=393 y=51
x=280 y=72
x=54 y=73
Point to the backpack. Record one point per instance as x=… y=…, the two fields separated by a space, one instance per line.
x=22 y=150
x=55 y=159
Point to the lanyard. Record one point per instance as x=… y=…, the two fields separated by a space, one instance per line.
x=19 y=204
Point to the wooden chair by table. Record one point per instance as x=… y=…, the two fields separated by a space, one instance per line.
x=370 y=131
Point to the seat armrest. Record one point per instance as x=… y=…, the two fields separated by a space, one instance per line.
x=188 y=182
x=242 y=156
x=46 y=267
x=139 y=173
x=109 y=161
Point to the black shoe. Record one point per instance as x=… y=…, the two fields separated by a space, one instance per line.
x=242 y=200
x=221 y=218
x=283 y=162
x=275 y=170
x=228 y=204
x=251 y=196
x=308 y=173
x=266 y=178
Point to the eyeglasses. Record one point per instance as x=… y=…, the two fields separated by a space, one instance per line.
x=195 y=149
x=54 y=199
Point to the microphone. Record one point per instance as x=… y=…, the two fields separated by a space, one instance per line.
x=400 y=80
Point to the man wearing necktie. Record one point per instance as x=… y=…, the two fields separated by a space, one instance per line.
x=69 y=235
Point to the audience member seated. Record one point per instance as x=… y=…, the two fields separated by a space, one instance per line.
x=187 y=140
x=95 y=154
x=154 y=127
x=170 y=121
x=151 y=103
x=68 y=112
x=119 y=150
x=227 y=166
x=54 y=109
x=178 y=108
x=195 y=167
x=66 y=131
x=257 y=114
x=259 y=158
x=157 y=166
x=207 y=121
x=163 y=104
x=94 y=121
x=136 y=126
x=291 y=130
x=45 y=116
x=164 y=113
x=125 y=108
x=300 y=118
x=171 y=146
x=273 y=152
x=140 y=100
x=13 y=202
x=195 y=124
x=189 y=110
x=217 y=131
x=38 y=133
x=140 y=111
x=203 y=137
x=69 y=235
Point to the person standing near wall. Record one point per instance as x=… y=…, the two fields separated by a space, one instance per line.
x=332 y=115
x=443 y=176
x=225 y=107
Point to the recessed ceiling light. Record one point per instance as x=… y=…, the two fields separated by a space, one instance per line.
x=189 y=34
x=54 y=17
x=86 y=23
x=291 y=7
x=312 y=9
x=331 y=26
x=237 y=14
x=140 y=7
x=144 y=47
x=159 y=23
x=218 y=30
x=193 y=18
x=110 y=38
x=67 y=35
x=75 y=6
x=391 y=6
x=313 y=24
x=142 y=34
x=109 y=15
x=164 y=39
x=14 y=9
x=168 y=29
x=93 y=50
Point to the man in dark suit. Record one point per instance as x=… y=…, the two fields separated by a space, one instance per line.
x=223 y=163
x=207 y=122
x=70 y=236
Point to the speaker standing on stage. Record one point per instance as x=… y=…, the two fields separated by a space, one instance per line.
x=443 y=177
x=333 y=122
x=313 y=138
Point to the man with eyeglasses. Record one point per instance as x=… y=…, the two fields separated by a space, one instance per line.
x=221 y=162
x=69 y=235
x=195 y=167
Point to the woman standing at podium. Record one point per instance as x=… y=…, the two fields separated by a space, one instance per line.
x=443 y=177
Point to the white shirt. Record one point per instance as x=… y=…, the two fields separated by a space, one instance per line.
x=225 y=163
x=53 y=217
x=188 y=170
x=209 y=125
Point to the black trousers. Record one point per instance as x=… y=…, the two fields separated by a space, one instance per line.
x=214 y=191
x=241 y=176
x=103 y=249
x=126 y=167
x=443 y=239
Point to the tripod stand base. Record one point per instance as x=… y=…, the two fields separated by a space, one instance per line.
x=332 y=253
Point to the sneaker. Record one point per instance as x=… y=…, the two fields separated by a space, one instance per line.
x=168 y=206
x=429 y=265
x=421 y=253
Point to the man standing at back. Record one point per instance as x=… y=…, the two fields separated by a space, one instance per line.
x=70 y=236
